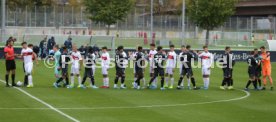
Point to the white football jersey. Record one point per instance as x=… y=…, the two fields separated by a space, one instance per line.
x=105 y=59
x=27 y=55
x=76 y=57
x=206 y=59
x=151 y=55
x=172 y=57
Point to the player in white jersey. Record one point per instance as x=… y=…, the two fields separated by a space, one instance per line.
x=170 y=66
x=206 y=63
x=105 y=61
x=151 y=54
x=28 y=55
x=75 y=67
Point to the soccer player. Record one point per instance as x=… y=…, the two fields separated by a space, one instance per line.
x=75 y=68
x=252 y=66
x=206 y=63
x=121 y=60
x=186 y=59
x=34 y=57
x=90 y=62
x=63 y=63
x=151 y=54
x=105 y=61
x=170 y=66
x=158 y=64
x=266 y=67
x=139 y=64
x=227 y=68
x=10 y=62
x=259 y=67
x=192 y=79
x=27 y=55
x=57 y=56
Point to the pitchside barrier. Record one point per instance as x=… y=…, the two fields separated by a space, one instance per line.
x=239 y=55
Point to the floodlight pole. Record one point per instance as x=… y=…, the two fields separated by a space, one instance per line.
x=183 y=22
x=151 y=20
x=3 y=19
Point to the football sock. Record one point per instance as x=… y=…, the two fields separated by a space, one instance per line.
x=83 y=79
x=255 y=84
x=30 y=79
x=167 y=80
x=72 y=81
x=172 y=81
x=188 y=82
x=264 y=80
x=231 y=82
x=271 y=81
x=144 y=81
x=162 y=82
x=59 y=80
x=26 y=80
x=92 y=81
x=224 y=82
x=79 y=80
x=13 y=78
x=67 y=81
x=138 y=81
x=180 y=81
x=116 y=80
x=7 y=79
x=193 y=81
x=107 y=81
x=248 y=83
x=259 y=82
x=207 y=82
x=123 y=80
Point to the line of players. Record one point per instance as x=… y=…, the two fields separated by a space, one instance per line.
x=161 y=64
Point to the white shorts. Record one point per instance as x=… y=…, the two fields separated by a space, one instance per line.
x=75 y=70
x=105 y=70
x=28 y=68
x=206 y=71
x=169 y=71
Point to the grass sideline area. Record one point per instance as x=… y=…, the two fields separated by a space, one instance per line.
x=133 y=42
x=117 y=105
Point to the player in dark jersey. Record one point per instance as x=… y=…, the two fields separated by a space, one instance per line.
x=121 y=60
x=188 y=47
x=186 y=58
x=159 y=60
x=252 y=66
x=259 y=67
x=228 y=61
x=63 y=62
x=90 y=62
x=139 y=59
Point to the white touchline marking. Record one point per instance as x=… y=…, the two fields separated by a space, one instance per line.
x=146 y=106
x=44 y=103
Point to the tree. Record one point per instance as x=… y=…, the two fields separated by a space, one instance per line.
x=108 y=11
x=210 y=14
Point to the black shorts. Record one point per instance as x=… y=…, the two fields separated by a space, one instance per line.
x=159 y=72
x=227 y=72
x=120 y=72
x=251 y=72
x=187 y=71
x=139 y=73
x=258 y=72
x=64 y=71
x=10 y=65
x=88 y=72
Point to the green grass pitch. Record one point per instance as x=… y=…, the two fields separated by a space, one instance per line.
x=116 y=105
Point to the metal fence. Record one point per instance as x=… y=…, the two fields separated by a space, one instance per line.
x=165 y=26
